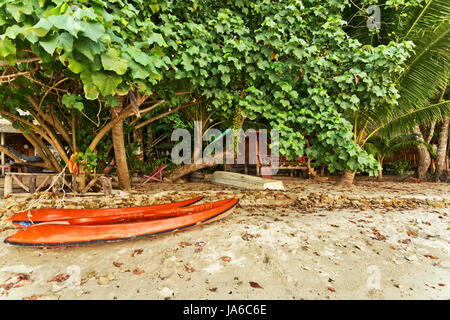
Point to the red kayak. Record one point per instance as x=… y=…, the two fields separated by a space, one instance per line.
x=148 y=215
x=61 y=233
x=51 y=214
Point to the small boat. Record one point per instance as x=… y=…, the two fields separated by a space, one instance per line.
x=147 y=215
x=61 y=233
x=52 y=214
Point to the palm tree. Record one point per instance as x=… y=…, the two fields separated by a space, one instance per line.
x=382 y=147
x=424 y=77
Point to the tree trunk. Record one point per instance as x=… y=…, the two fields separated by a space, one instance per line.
x=138 y=138
x=186 y=169
x=346 y=180
x=380 y=175
x=424 y=160
x=442 y=149
x=119 y=148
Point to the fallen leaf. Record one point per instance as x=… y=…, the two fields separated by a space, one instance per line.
x=331 y=289
x=59 y=278
x=378 y=234
x=441 y=284
x=138 y=271
x=185 y=244
x=188 y=268
x=255 y=285
x=410 y=233
x=117 y=264
x=226 y=259
x=200 y=244
x=136 y=252
x=430 y=256
x=31 y=298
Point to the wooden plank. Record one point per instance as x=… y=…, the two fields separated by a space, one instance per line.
x=32 y=184
x=89 y=185
x=7 y=188
x=245 y=181
x=42 y=184
x=107 y=185
x=20 y=183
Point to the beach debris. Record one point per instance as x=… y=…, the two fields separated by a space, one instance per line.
x=136 y=252
x=59 y=278
x=104 y=280
x=200 y=244
x=138 y=271
x=430 y=256
x=331 y=289
x=16 y=281
x=166 y=293
x=185 y=244
x=255 y=285
x=117 y=264
x=248 y=236
x=378 y=235
x=41 y=297
x=225 y=258
x=188 y=268
x=245 y=181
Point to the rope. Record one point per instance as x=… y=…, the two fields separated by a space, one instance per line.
x=63 y=174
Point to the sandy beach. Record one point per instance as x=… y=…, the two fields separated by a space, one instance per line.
x=375 y=240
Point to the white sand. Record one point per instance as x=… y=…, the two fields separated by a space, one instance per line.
x=292 y=252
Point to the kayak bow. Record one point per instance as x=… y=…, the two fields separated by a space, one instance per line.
x=60 y=234
x=52 y=214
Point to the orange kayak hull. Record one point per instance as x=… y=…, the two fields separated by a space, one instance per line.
x=52 y=214
x=63 y=234
x=147 y=215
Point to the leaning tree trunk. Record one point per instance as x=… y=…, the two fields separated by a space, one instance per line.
x=442 y=149
x=186 y=169
x=119 y=148
x=380 y=175
x=346 y=180
x=424 y=160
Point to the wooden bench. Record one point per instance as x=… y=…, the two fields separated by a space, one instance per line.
x=284 y=164
x=16 y=177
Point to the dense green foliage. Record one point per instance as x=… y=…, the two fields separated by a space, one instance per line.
x=290 y=61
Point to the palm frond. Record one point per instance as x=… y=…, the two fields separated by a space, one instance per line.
x=405 y=122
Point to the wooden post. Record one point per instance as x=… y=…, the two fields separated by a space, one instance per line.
x=8 y=185
x=2 y=141
x=56 y=184
x=107 y=185
x=32 y=185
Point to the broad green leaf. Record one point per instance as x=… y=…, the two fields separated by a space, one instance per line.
x=42 y=27
x=93 y=31
x=7 y=47
x=106 y=82
x=75 y=66
x=112 y=61
x=157 y=37
x=50 y=45
x=65 y=22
